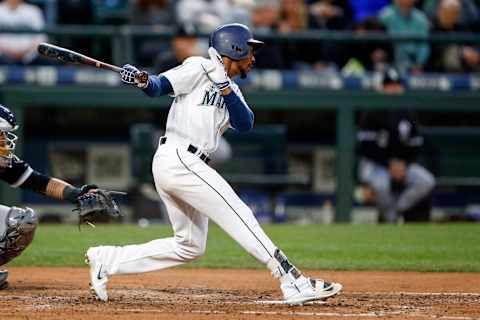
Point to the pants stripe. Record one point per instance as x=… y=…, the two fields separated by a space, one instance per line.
x=246 y=225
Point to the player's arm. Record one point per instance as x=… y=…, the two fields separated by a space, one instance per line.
x=241 y=116
x=21 y=175
x=53 y=187
x=153 y=86
x=158 y=86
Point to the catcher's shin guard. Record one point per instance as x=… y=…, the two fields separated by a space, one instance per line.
x=18 y=227
x=3 y=279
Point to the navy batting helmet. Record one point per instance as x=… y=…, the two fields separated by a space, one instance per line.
x=233 y=41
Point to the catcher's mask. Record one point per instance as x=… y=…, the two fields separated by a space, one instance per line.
x=8 y=123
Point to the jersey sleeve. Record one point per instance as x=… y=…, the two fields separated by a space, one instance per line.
x=186 y=76
x=16 y=175
x=238 y=92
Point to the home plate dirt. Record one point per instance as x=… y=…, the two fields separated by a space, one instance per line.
x=63 y=293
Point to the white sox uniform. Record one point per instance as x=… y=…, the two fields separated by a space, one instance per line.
x=202 y=109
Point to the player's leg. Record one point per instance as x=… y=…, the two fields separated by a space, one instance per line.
x=17 y=229
x=378 y=178
x=415 y=201
x=188 y=243
x=205 y=190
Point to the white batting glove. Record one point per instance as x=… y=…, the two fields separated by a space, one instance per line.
x=218 y=74
x=131 y=75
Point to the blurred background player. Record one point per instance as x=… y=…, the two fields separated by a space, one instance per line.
x=17 y=225
x=389 y=143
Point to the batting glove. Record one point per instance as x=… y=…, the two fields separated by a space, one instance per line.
x=131 y=75
x=218 y=75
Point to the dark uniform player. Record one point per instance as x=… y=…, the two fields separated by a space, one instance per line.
x=389 y=144
x=17 y=225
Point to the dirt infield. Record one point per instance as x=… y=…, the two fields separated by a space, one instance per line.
x=62 y=293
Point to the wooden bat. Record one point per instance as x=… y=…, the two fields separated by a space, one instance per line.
x=69 y=56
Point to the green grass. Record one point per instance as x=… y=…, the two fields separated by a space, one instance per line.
x=432 y=247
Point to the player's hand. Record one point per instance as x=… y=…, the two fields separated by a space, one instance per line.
x=217 y=74
x=131 y=75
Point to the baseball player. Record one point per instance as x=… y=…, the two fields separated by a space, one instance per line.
x=17 y=225
x=389 y=143
x=206 y=102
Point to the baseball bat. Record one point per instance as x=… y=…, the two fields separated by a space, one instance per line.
x=69 y=56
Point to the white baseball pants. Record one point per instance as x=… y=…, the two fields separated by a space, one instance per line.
x=193 y=193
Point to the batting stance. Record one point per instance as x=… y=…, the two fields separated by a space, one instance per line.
x=17 y=225
x=206 y=103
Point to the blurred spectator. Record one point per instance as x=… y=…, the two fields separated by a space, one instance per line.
x=74 y=12
x=207 y=15
x=326 y=15
x=152 y=12
x=266 y=18
x=401 y=17
x=365 y=55
x=330 y=14
x=293 y=16
x=20 y=48
x=389 y=143
x=452 y=57
x=468 y=15
x=365 y=9
x=184 y=44
x=155 y=13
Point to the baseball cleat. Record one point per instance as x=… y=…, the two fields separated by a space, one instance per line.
x=305 y=289
x=98 y=275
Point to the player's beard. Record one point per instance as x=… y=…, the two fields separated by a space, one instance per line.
x=243 y=72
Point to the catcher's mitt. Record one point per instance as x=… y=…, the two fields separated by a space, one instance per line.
x=97 y=201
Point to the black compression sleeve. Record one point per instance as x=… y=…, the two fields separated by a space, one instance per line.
x=36 y=182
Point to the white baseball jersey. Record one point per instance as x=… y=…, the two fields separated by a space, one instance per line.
x=198 y=113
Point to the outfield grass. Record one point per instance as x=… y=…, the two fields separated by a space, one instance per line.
x=432 y=247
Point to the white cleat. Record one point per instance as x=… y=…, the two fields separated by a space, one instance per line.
x=305 y=289
x=98 y=275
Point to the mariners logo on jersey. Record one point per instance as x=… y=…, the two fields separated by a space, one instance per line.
x=212 y=97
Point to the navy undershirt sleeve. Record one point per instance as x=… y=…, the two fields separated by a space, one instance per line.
x=241 y=117
x=158 y=86
x=36 y=182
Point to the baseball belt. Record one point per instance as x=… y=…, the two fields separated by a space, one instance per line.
x=192 y=149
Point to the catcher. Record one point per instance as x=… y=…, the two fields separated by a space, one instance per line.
x=17 y=225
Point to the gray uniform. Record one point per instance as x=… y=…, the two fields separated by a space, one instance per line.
x=384 y=136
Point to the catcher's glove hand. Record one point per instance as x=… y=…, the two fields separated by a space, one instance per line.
x=96 y=201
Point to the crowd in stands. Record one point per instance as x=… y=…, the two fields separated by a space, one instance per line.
x=191 y=17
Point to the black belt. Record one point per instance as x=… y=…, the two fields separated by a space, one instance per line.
x=192 y=149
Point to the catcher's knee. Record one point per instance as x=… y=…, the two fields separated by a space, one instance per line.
x=20 y=225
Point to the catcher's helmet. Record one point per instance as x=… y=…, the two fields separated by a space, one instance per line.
x=8 y=123
x=233 y=41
